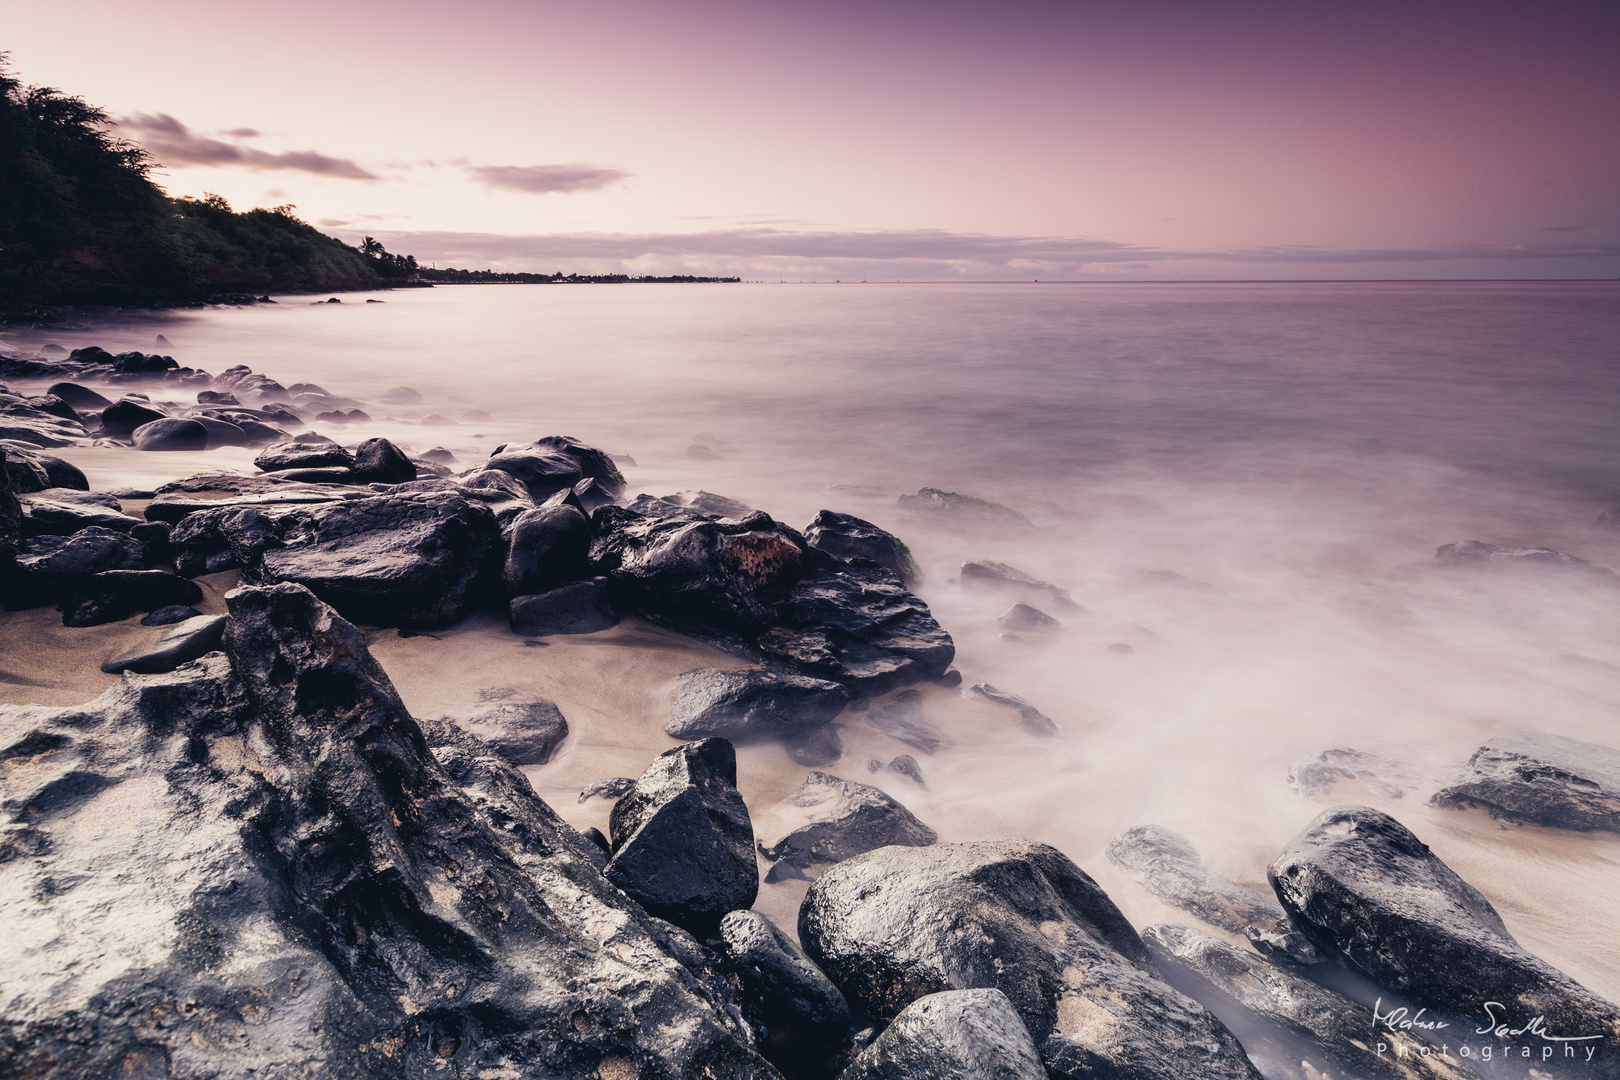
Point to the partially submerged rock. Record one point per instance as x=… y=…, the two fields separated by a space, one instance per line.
x=1169 y=867
x=303 y=453
x=1316 y=776
x=1030 y=718
x=1029 y=619
x=988 y=575
x=952 y=1035
x=1543 y=779
x=750 y=705
x=827 y=820
x=1478 y=553
x=378 y=461
x=546 y=547
x=48 y=569
x=902 y=719
x=1360 y=885
x=303 y=889
x=954 y=508
x=850 y=537
x=899 y=923
x=1293 y=1027
x=612 y=787
x=683 y=846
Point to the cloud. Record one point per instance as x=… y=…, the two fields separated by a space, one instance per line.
x=172 y=143
x=930 y=254
x=546 y=179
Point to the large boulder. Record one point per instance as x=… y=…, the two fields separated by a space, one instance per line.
x=299 y=887
x=753 y=586
x=547 y=546
x=827 y=820
x=1543 y=779
x=850 y=537
x=39 y=427
x=80 y=397
x=392 y=560
x=549 y=465
x=113 y=595
x=64 y=511
x=893 y=925
x=52 y=568
x=683 y=846
x=750 y=705
x=1361 y=886
x=952 y=1035
x=378 y=461
x=521 y=732
x=1294 y=1028
x=786 y=994
x=580 y=608
x=50 y=470
x=171 y=433
x=121 y=418
x=1169 y=867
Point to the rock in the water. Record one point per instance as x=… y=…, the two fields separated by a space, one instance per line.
x=1542 y=779
x=707 y=502
x=951 y=507
x=407 y=559
x=1024 y=617
x=522 y=732
x=580 y=608
x=549 y=465
x=52 y=470
x=400 y=395
x=1360 y=885
x=379 y=461
x=1030 y=718
x=850 y=537
x=1477 y=553
x=120 y=419
x=181 y=643
x=999 y=577
x=750 y=705
x=170 y=614
x=1304 y=1031
x=828 y=820
x=952 y=1035
x=893 y=925
x=547 y=547
x=171 y=433
x=907 y=766
x=324 y=896
x=1169 y=867
x=1317 y=775
x=816 y=747
x=80 y=397
x=220 y=433
x=754 y=586
x=64 y=511
x=117 y=594
x=612 y=787
x=683 y=846
x=303 y=454
x=902 y=720
x=785 y=992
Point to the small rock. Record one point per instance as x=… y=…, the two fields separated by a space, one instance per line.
x=751 y=704
x=304 y=453
x=827 y=820
x=1024 y=617
x=1030 y=718
x=999 y=577
x=168 y=614
x=179 y=644
x=963 y=509
x=907 y=766
x=80 y=397
x=117 y=594
x=1121 y=648
x=400 y=395
x=437 y=420
x=816 y=747
x=699 y=452
x=902 y=720
x=120 y=419
x=613 y=787
x=1315 y=776
x=379 y=461
x=1476 y=553
x=522 y=732
x=547 y=547
x=784 y=991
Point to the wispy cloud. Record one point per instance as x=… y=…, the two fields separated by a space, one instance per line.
x=546 y=179
x=935 y=254
x=172 y=143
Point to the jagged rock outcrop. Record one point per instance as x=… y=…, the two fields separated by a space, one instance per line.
x=1361 y=886
x=952 y=1035
x=850 y=537
x=895 y=924
x=304 y=890
x=1542 y=779
x=798 y=1009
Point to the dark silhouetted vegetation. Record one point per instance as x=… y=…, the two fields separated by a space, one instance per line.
x=451 y=276
x=82 y=222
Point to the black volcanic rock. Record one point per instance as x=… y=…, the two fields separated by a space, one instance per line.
x=64 y=511
x=683 y=846
x=1543 y=779
x=179 y=644
x=55 y=472
x=893 y=925
x=121 y=418
x=547 y=546
x=521 y=732
x=52 y=568
x=750 y=705
x=753 y=586
x=1169 y=867
x=850 y=537
x=952 y=1035
x=328 y=896
x=113 y=595
x=171 y=433
x=784 y=992
x=1293 y=1028
x=379 y=461
x=390 y=560
x=902 y=719
x=80 y=397
x=580 y=608
x=827 y=820
x=1360 y=885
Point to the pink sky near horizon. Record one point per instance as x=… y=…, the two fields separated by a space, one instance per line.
x=900 y=140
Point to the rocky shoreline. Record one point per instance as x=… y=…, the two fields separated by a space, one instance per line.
x=247 y=857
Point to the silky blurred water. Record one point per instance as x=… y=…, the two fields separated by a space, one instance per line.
x=1291 y=454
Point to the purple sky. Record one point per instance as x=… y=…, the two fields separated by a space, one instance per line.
x=883 y=141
